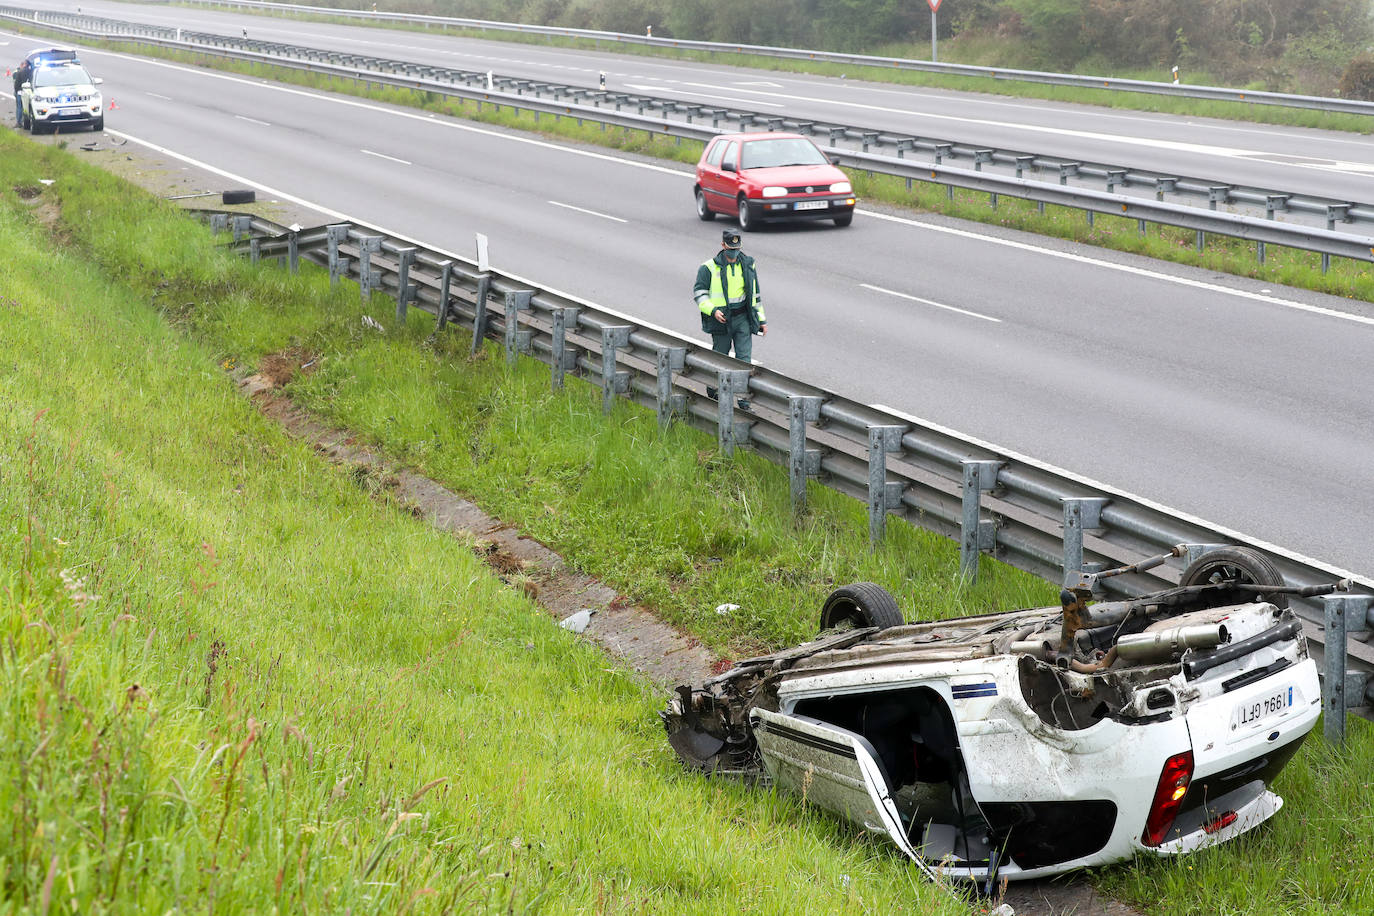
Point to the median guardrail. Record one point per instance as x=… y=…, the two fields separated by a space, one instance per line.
x=1182 y=90
x=460 y=84
x=1026 y=513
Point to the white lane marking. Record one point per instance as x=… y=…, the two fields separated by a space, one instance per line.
x=341 y=217
x=1150 y=142
x=758 y=83
x=690 y=176
x=368 y=106
x=369 y=152
x=588 y=212
x=250 y=120
x=1125 y=268
x=165 y=98
x=938 y=305
x=704 y=95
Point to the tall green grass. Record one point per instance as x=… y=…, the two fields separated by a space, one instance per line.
x=234 y=680
x=237 y=678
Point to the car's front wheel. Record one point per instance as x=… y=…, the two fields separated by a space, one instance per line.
x=845 y=220
x=746 y=216
x=703 y=211
x=98 y=124
x=862 y=604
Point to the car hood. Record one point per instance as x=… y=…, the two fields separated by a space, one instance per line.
x=792 y=175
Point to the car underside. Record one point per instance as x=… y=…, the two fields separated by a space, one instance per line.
x=1029 y=742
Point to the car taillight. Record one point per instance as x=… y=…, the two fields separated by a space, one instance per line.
x=1173 y=786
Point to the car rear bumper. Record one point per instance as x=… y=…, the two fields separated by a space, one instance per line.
x=786 y=209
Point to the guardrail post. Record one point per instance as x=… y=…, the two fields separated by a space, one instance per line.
x=1114 y=178
x=975 y=534
x=669 y=405
x=1334 y=212
x=242 y=225
x=293 y=253
x=445 y=286
x=562 y=357
x=729 y=383
x=802 y=462
x=338 y=266
x=979 y=157
x=368 y=279
x=1272 y=203
x=517 y=341
x=1079 y=513
x=219 y=222
x=1342 y=689
x=613 y=382
x=405 y=291
x=882 y=495
x=942 y=150
x=254 y=249
x=479 y=314
x=1024 y=162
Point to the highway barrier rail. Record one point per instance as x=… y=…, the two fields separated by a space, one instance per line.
x=1181 y=90
x=685 y=120
x=1023 y=512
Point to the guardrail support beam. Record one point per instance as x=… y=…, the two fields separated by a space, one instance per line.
x=669 y=405
x=242 y=225
x=613 y=382
x=293 y=253
x=445 y=289
x=1079 y=513
x=562 y=357
x=405 y=290
x=882 y=495
x=517 y=341
x=479 y=314
x=368 y=279
x=730 y=383
x=802 y=462
x=1342 y=689
x=336 y=235
x=976 y=534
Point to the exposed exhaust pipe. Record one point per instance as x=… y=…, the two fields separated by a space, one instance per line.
x=1159 y=645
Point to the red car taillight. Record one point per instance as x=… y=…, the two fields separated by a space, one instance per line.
x=1173 y=786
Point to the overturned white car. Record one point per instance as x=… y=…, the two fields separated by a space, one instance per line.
x=1032 y=742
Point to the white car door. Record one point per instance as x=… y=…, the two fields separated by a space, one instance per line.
x=833 y=768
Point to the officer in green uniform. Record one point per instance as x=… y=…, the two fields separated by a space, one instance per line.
x=727 y=293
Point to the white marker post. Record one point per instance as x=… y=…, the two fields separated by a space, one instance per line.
x=934 y=8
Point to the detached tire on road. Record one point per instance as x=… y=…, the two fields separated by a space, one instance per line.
x=1235 y=564
x=862 y=604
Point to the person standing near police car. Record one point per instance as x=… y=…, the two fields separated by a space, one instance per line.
x=22 y=74
x=727 y=293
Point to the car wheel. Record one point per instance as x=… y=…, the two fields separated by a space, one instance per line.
x=842 y=221
x=746 y=219
x=862 y=604
x=1235 y=564
x=98 y=124
x=703 y=211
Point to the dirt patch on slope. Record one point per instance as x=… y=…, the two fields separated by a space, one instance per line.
x=630 y=633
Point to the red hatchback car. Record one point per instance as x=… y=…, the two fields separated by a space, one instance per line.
x=771 y=176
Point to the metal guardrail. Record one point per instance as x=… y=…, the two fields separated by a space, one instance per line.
x=1023 y=512
x=1212 y=93
x=459 y=83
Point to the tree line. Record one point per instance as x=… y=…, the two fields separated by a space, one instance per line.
x=1300 y=44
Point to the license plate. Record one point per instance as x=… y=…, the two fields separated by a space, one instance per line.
x=1249 y=715
x=69 y=112
x=812 y=204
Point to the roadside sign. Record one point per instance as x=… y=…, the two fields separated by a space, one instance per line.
x=934 y=5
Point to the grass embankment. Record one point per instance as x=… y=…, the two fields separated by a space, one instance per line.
x=1287 y=266
x=236 y=677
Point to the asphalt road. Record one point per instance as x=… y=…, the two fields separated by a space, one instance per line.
x=1329 y=164
x=1226 y=399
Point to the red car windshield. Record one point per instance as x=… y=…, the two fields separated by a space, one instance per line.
x=767 y=154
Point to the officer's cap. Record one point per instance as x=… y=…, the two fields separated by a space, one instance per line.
x=730 y=238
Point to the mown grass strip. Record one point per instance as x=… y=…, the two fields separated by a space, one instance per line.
x=308 y=661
